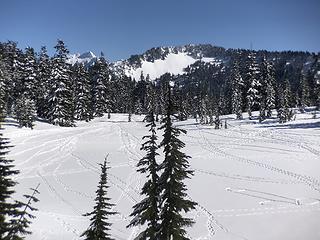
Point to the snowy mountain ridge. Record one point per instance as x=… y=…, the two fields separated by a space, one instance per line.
x=154 y=62
x=159 y=60
x=84 y=58
x=173 y=63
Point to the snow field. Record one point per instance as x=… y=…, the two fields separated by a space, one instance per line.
x=252 y=181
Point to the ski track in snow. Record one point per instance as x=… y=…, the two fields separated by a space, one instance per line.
x=308 y=180
x=50 y=151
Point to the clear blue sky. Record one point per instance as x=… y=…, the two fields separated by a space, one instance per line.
x=120 y=28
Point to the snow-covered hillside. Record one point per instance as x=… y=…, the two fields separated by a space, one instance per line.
x=174 y=63
x=252 y=181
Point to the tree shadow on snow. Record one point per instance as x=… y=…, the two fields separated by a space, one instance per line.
x=294 y=125
x=10 y=122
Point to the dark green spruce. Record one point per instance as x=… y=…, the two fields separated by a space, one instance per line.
x=99 y=228
x=147 y=210
x=22 y=219
x=171 y=183
x=7 y=208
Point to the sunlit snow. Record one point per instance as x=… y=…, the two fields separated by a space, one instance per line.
x=252 y=181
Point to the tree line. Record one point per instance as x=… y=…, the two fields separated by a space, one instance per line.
x=34 y=85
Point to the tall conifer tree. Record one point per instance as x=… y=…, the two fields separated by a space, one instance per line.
x=42 y=83
x=147 y=210
x=237 y=86
x=253 y=84
x=305 y=92
x=100 y=87
x=60 y=95
x=82 y=103
x=25 y=111
x=284 y=113
x=28 y=69
x=3 y=91
x=7 y=208
x=21 y=222
x=175 y=171
x=99 y=228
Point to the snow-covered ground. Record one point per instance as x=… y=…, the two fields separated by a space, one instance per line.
x=252 y=181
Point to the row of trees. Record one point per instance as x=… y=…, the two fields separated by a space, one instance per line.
x=246 y=85
x=56 y=91
x=50 y=88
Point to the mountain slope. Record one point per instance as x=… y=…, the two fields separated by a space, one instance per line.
x=157 y=61
x=173 y=63
x=160 y=60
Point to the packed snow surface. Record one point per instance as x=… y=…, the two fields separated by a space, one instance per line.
x=174 y=63
x=252 y=181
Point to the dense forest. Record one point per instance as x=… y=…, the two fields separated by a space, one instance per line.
x=35 y=85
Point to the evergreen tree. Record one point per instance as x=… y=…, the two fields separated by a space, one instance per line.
x=21 y=222
x=99 y=227
x=284 y=113
x=150 y=101
x=317 y=80
x=60 y=95
x=100 y=87
x=28 y=69
x=129 y=116
x=146 y=211
x=175 y=170
x=25 y=111
x=14 y=79
x=217 y=110
x=237 y=85
x=159 y=105
x=305 y=93
x=204 y=111
x=217 y=121
x=269 y=89
x=263 y=82
x=7 y=208
x=82 y=103
x=122 y=94
x=42 y=83
x=3 y=91
x=140 y=93
x=138 y=107
x=253 y=84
